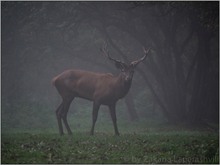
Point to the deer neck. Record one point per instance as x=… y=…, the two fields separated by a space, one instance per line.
x=123 y=86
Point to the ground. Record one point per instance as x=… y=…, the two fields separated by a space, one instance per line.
x=146 y=147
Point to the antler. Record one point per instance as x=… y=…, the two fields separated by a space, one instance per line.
x=141 y=59
x=106 y=53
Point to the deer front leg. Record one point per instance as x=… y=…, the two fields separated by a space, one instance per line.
x=94 y=116
x=114 y=118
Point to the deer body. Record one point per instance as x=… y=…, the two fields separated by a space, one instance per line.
x=102 y=89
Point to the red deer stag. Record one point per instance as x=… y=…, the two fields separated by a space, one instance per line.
x=102 y=89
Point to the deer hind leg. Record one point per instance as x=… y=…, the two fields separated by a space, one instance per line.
x=58 y=114
x=94 y=116
x=65 y=109
x=114 y=118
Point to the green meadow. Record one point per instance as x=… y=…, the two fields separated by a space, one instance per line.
x=161 y=144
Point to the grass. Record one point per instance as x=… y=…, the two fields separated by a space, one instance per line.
x=152 y=147
x=146 y=141
x=30 y=135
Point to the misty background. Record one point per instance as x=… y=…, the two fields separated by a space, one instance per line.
x=178 y=83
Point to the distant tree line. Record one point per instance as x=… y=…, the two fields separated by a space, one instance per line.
x=182 y=71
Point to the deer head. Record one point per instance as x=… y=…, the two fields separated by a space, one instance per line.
x=127 y=70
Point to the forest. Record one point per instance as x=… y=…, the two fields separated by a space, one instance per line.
x=176 y=88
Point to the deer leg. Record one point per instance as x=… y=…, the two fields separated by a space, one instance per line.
x=94 y=116
x=58 y=114
x=64 y=115
x=66 y=124
x=114 y=118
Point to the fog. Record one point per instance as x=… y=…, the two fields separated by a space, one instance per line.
x=178 y=83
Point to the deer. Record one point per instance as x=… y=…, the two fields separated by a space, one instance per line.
x=100 y=88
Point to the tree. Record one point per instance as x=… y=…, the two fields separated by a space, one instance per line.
x=181 y=72
x=172 y=30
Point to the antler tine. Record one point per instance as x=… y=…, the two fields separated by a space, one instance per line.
x=142 y=58
x=106 y=53
x=103 y=49
x=146 y=53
